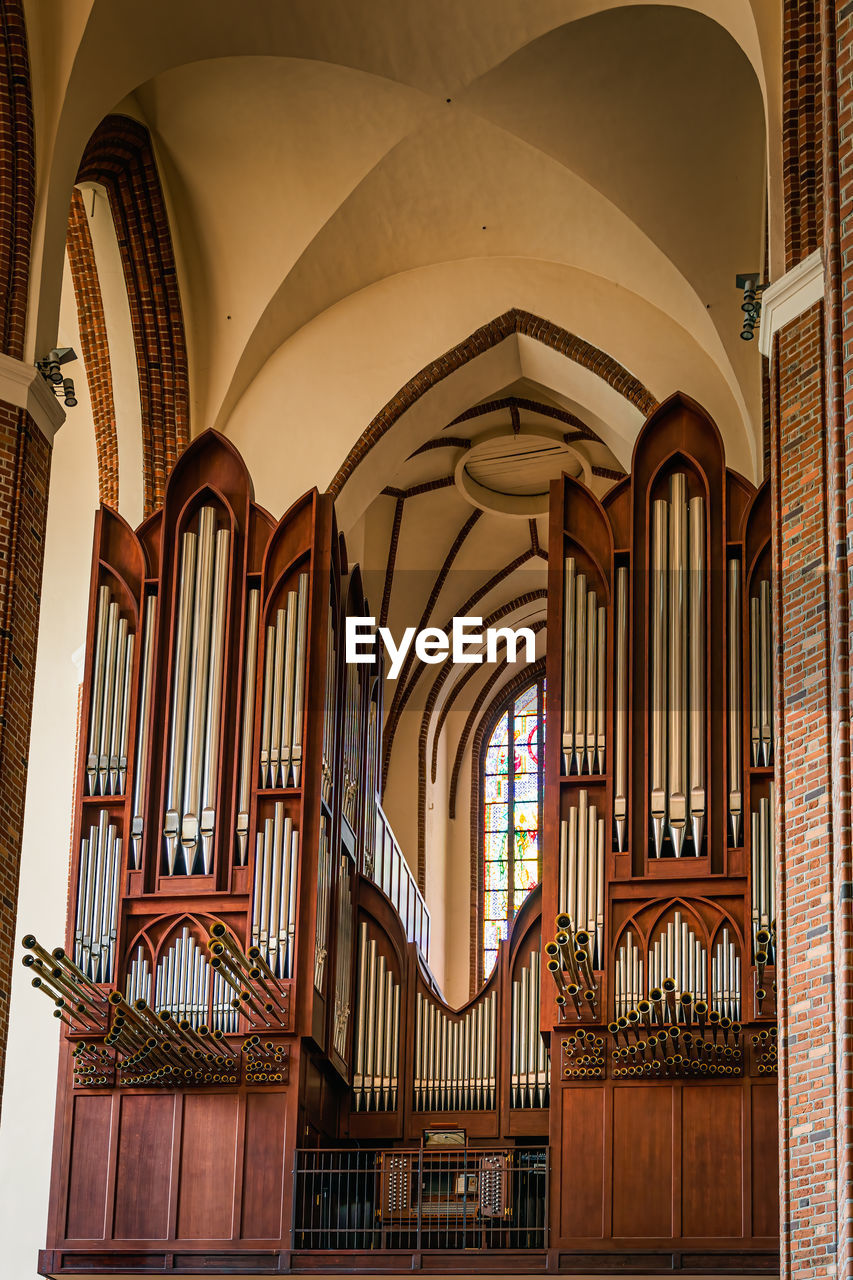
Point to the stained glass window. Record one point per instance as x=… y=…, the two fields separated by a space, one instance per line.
x=513 y=782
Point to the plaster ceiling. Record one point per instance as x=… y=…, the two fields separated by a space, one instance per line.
x=338 y=222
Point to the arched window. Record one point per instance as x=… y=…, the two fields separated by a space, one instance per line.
x=512 y=773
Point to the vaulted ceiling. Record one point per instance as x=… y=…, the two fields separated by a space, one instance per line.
x=355 y=188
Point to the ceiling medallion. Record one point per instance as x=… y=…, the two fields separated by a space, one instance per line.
x=510 y=472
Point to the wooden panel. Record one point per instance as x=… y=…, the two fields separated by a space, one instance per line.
x=712 y=1160
x=87 y=1178
x=582 y=1162
x=642 y=1161
x=263 y=1166
x=143 y=1166
x=765 y=1160
x=208 y=1162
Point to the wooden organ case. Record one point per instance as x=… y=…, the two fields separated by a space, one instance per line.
x=658 y=854
x=255 y=1050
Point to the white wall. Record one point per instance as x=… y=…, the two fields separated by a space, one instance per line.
x=26 y=1124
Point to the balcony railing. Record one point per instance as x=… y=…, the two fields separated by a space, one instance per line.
x=391 y=872
x=421 y=1199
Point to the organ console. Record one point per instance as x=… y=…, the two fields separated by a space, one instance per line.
x=255 y=1049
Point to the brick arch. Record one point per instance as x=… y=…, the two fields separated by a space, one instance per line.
x=120 y=157
x=94 y=346
x=482 y=339
x=17 y=185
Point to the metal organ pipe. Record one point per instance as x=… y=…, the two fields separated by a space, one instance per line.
x=581 y=872
x=677 y=766
x=725 y=977
x=377 y=1032
x=629 y=976
x=247 y=725
x=183 y=981
x=455 y=1056
x=330 y=699
x=584 y=674
x=761 y=674
x=735 y=746
x=112 y=669
x=763 y=889
x=96 y=920
x=141 y=762
x=678 y=968
x=197 y=696
x=620 y=781
x=283 y=703
x=274 y=893
x=696 y=581
x=529 y=1065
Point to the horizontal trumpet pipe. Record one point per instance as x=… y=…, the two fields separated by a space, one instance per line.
x=557 y=974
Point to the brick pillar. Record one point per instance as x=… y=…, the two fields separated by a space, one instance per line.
x=802 y=599
x=29 y=416
x=837 y=63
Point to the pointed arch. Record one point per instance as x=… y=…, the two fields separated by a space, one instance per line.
x=489 y=335
x=120 y=157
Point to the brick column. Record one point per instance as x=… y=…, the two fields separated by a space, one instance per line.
x=29 y=417
x=808 y=1112
x=837 y=64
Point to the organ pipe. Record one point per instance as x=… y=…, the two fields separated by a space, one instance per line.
x=761 y=674
x=141 y=763
x=584 y=674
x=629 y=975
x=196 y=697
x=620 y=780
x=283 y=702
x=377 y=1030
x=330 y=700
x=98 y=883
x=582 y=870
x=735 y=747
x=274 y=892
x=455 y=1056
x=677 y=638
x=763 y=887
x=529 y=1063
x=112 y=672
x=247 y=725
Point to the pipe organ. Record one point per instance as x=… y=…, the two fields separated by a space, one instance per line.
x=106 y=766
x=584 y=679
x=255 y=1050
x=196 y=695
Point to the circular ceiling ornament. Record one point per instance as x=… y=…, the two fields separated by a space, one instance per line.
x=510 y=472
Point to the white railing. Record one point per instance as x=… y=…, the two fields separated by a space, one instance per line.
x=394 y=877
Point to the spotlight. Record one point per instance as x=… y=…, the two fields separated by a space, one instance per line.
x=751 y=305
x=50 y=367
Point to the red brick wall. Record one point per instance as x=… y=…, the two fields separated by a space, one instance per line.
x=24 y=475
x=837 y=69
x=802 y=129
x=17 y=176
x=94 y=347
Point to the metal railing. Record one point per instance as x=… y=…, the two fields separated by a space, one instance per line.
x=392 y=873
x=421 y=1199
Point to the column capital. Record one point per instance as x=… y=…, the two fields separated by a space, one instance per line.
x=790 y=296
x=22 y=385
